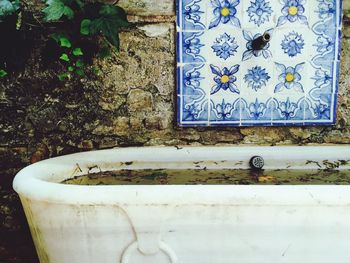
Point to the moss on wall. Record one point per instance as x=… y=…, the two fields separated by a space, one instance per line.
x=132 y=103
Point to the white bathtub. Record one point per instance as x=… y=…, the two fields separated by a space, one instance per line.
x=187 y=224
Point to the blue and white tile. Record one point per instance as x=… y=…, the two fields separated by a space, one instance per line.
x=320 y=111
x=223 y=81
x=257 y=85
x=192 y=47
x=323 y=10
x=322 y=83
x=289 y=109
x=294 y=43
x=194 y=80
x=258 y=75
x=259 y=14
x=255 y=110
x=193 y=15
x=326 y=45
x=322 y=98
x=293 y=79
x=292 y=13
x=193 y=94
x=225 y=93
x=225 y=110
x=193 y=111
x=224 y=46
x=224 y=14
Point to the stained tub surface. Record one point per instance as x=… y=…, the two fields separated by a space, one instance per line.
x=187 y=223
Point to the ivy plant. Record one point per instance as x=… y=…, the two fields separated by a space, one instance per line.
x=91 y=21
x=56 y=9
x=3 y=73
x=71 y=57
x=77 y=31
x=111 y=20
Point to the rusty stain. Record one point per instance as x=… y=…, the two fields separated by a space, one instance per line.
x=264 y=179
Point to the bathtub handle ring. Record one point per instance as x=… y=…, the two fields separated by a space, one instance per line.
x=162 y=246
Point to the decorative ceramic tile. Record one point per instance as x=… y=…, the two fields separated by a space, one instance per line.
x=258 y=62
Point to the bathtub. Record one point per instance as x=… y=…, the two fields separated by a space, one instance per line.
x=187 y=223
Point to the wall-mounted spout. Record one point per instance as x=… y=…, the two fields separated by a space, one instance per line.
x=260 y=42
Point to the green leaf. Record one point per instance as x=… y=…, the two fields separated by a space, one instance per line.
x=96 y=71
x=80 y=72
x=68 y=12
x=70 y=69
x=8 y=7
x=85 y=27
x=77 y=52
x=64 y=42
x=79 y=63
x=56 y=9
x=63 y=76
x=3 y=73
x=64 y=57
x=112 y=19
x=61 y=39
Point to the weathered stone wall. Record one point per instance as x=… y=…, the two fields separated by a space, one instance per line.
x=131 y=103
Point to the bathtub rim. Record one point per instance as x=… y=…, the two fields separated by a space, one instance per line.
x=28 y=184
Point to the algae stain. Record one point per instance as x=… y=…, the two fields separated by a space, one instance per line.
x=213 y=177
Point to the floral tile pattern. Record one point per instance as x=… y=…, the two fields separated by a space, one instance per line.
x=257 y=62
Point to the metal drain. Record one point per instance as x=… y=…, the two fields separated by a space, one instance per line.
x=256 y=162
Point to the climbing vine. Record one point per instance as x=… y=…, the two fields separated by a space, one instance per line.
x=75 y=31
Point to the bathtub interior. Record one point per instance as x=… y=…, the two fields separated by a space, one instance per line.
x=62 y=168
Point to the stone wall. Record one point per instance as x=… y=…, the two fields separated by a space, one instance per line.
x=132 y=103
